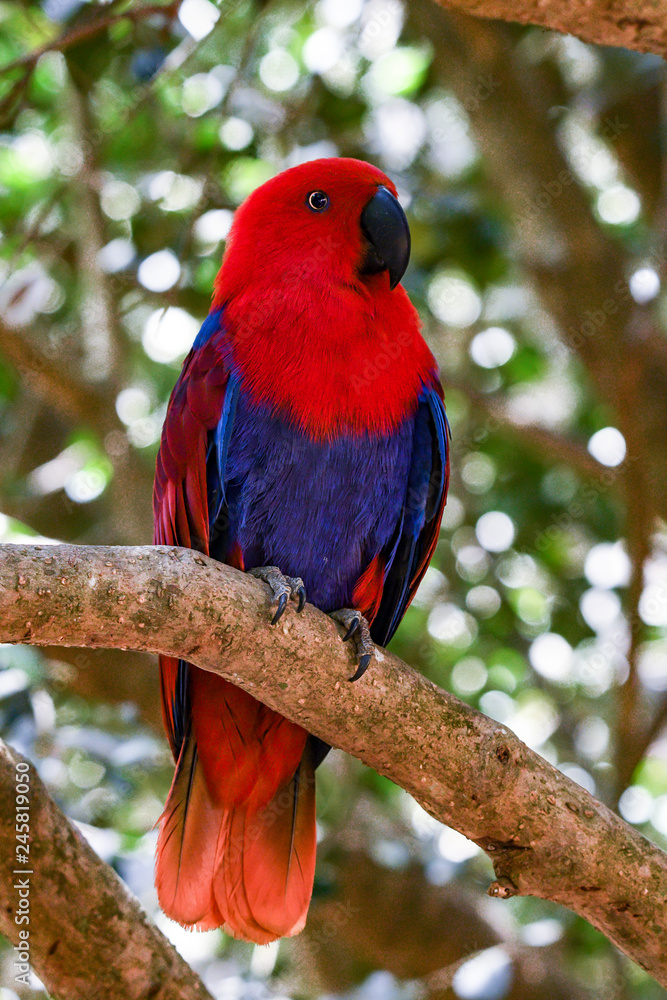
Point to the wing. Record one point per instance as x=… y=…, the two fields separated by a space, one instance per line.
x=188 y=495
x=388 y=585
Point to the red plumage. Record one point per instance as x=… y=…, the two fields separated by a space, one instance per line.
x=333 y=381
x=354 y=344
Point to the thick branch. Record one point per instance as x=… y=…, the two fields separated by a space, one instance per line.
x=546 y=835
x=86 y=936
x=633 y=24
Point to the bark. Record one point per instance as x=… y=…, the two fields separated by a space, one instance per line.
x=633 y=24
x=88 y=937
x=546 y=835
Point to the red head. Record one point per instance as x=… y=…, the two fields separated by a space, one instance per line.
x=318 y=326
x=335 y=221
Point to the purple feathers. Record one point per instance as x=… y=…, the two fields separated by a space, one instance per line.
x=321 y=511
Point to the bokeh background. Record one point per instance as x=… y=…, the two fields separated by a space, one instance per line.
x=532 y=169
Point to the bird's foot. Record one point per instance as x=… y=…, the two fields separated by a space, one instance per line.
x=359 y=630
x=282 y=587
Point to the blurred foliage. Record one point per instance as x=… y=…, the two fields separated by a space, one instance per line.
x=127 y=141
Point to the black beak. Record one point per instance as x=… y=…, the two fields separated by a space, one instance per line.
x=386 y=229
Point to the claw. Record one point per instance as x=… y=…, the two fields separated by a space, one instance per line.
x=283 y=588
x=282 y=604
x=354 y=625
x=357 y=629
x=362 y=668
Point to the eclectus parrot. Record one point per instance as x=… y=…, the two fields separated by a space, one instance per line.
x=305 y=441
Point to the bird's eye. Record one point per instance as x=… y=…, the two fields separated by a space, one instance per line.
x=318 y=201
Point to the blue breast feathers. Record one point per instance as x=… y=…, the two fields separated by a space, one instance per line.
x=321 y=511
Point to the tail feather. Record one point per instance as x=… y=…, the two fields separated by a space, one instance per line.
x=265 y=868
x=246 y=864
x=229 y=884
x=185 y=861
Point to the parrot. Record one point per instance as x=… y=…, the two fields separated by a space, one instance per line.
x=305 y=442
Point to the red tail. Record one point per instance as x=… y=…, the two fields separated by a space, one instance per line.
x=237 y=840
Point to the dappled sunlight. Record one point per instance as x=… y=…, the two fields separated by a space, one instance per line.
x=537 y=269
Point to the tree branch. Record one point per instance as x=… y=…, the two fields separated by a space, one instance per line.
x=546 y=835
x=633 y=24
x=90 y=27
x=51 y=382
x=540 y=440
x=86 y=936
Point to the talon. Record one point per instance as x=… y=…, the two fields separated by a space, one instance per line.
x=354 y=625
x=362 y=668
x=283 y=588
x=359 y=630
x=282 y=604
